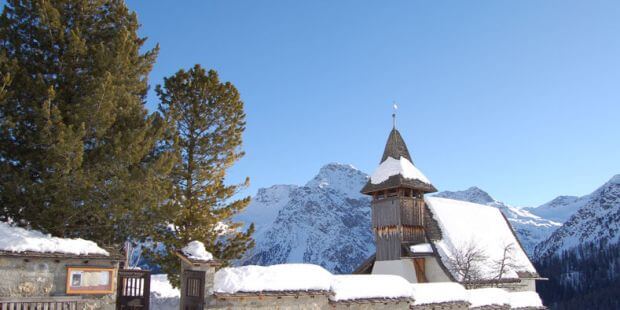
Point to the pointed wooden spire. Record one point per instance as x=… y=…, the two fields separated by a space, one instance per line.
x=395 y=147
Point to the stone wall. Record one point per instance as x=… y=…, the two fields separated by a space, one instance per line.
x=370 y=305
x=301 y=300
x=35 y=277
x=442 y=306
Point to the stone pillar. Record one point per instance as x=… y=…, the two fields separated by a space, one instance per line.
x=208 y=268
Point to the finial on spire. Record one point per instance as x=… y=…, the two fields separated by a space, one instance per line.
x=395 y=107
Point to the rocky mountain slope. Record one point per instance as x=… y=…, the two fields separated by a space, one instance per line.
x=325 y=222
x=531 y=229
x=597 y=220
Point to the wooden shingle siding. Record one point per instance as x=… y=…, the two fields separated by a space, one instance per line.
x=433 y=232
x=412 y=211
x=386 y=212
x=388 y=244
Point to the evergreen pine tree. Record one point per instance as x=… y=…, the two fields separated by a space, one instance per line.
x=207 y=120
x=77 y=146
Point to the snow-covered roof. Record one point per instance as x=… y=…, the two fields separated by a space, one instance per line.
x=465 y=225
x=402 y=166
x=439 y=292
x=351 y=287
x=487 y=297
x=284 y=277
x=18 y=240
x=195 y=250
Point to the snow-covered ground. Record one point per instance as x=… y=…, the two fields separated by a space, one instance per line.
x=163 y=295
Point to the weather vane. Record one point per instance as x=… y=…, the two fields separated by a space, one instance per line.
x=395 y=107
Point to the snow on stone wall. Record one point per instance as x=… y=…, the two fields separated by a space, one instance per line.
x=17 y=239
x=339 y=288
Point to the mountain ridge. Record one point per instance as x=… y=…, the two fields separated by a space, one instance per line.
x=597 y=220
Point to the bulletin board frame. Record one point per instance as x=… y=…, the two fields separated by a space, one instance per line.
x=78 y=278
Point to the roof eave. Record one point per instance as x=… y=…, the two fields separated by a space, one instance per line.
x=398 y=181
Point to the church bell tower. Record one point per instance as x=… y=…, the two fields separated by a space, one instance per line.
x=397 y=188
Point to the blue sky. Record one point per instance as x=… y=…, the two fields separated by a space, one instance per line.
x=521 y=98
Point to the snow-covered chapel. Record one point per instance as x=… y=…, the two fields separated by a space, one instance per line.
x=431 y=239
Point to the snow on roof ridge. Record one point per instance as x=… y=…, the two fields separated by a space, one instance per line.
x=392 y=166
x=17 y=239
x=195 y=250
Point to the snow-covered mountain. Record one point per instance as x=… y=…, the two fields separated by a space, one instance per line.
x=531 y=229
x=597 y=219
x=559 y=209
x=265 y=206
x=325 y=222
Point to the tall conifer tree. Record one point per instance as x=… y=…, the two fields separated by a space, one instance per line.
x=207 y=120
x=76 y=142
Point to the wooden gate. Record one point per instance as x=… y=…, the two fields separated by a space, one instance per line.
x=194 y=290
x=134 y=289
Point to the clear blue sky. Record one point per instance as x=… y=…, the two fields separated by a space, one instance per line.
x=521 y=98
